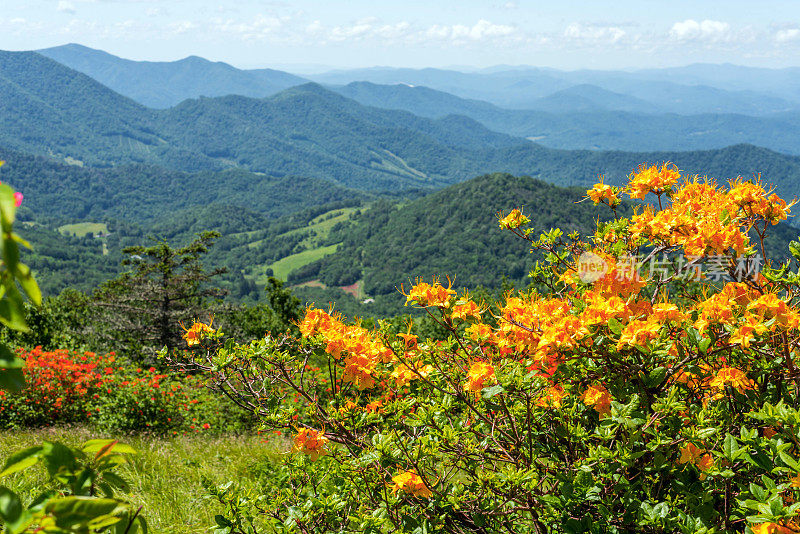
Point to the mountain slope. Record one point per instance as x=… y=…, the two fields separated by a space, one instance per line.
x=164 y=84
x=145 y=194
x=587 y=97
x=48 y=108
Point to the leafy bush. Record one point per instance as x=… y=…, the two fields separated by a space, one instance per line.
x=64 y=387
x=630 y=395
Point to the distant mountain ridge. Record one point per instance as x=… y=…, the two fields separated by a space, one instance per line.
x=525 y=87
x=164 y=84
x=590 y=126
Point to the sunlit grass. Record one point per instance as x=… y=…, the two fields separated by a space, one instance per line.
x=165 y=476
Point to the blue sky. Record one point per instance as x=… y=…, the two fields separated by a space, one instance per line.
x=566 y=34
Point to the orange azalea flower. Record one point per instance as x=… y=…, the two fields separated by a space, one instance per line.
x=466 y=309
x=479 y=331
x=667 y=312
x=795 y=481
x=358 y=370
x=753 y=326
x=515 y=219
x=601 y=192
x=311 y=442
x=404 y=374
x=732 y=377
x=771 y=528
x=314 y=321
x=639 y=333
x=410 y=482
x=194 y=334
x=479 y=373
x=551 y=397
x=598 y=397
x=426 y=295
x=653 y=178
x=690 y=454
x=409 y=339
x=705 y=462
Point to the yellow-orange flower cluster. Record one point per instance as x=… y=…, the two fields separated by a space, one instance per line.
x=479 y=373
x=424 y=294
x=466 y=309
x=410 y=482
x=601 y=192
x=771 y=528
x=702 y=218
x=653 y=179
x=598 y=397
x=361 y=349
x=691 y=454
x=311 y=442
x=196 y=332
x=514 y=219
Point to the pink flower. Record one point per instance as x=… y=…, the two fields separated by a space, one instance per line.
x=18 y=199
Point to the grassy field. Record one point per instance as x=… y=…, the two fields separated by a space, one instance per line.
x=165 y=475
x=321 y=225
x=81 y=229
x=284 y=266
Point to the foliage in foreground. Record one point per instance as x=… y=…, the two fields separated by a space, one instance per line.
x=628 y=397
x=80 y=497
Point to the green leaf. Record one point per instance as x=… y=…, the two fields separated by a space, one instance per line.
x=615 y=326
x=58 y=457
x=656 y=376
x=30 y=286
x=790 y=462
x=8 y=207
x=21 y=460
x=10 y=506
x=490 y=392
x=98 y=446
x=77 y=511
x=729 y=447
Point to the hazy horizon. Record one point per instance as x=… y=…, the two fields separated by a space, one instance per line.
x=312 y=69
x=576 y=35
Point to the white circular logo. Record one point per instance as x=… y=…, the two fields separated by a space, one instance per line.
x=591 y=267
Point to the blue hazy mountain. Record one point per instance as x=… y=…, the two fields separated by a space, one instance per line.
x=162 y=84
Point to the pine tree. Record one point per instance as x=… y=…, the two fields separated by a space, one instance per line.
x=143 y=309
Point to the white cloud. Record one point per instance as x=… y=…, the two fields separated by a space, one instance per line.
x=259 y=28
x=593 y=34
x=483 y=30
x=66 y=7
x=182 y=27
x=787 y=35
x=707 y=30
